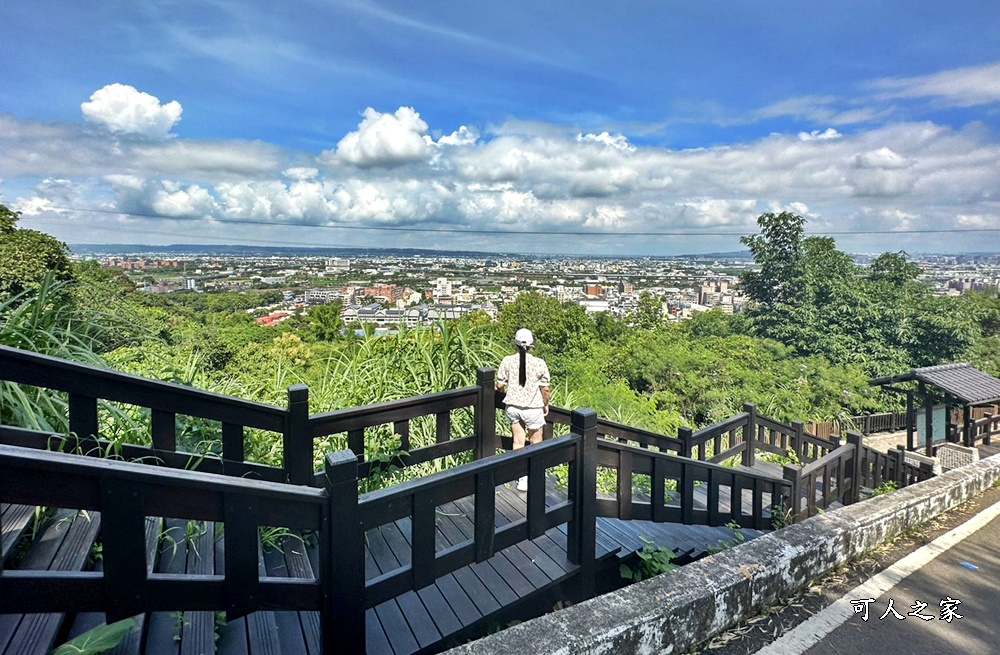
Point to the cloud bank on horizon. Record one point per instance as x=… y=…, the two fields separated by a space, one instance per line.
x=887 y=152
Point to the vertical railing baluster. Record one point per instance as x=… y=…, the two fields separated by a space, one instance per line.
x=687 y=493
x=712 y=497
x=658 y=497
x=356 y=443
x=164 y=430
x=83 y=421
x=791 y=474
x=750 y=435
x=443 y=427
x=485 y=514
x=536 y=496
x=240 y=539
x=232 y=442
x=123 y=539
x=402 y=428
x=423 y=529
x=624 y=492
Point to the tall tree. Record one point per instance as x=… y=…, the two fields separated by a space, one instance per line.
x=27 y=256
x=779 y=253
x=650 y=313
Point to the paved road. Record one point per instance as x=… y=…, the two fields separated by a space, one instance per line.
x=935 y=573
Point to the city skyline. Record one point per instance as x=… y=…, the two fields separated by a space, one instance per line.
x=649 y=130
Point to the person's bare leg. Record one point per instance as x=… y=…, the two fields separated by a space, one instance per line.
x=535 y=436
x=518 y=431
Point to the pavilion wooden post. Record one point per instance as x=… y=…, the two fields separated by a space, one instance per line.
x=910 y=422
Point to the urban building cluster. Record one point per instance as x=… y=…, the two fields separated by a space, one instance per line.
x=391 y=291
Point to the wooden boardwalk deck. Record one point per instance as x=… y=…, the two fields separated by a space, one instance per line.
x=457 y=606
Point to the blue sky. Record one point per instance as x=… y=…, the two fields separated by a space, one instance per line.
x=585 y=127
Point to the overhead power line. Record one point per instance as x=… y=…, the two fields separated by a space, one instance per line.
x=458 y=230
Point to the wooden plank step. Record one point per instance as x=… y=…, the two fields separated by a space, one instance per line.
x=262 y=626
x=131 y=643
x=14 y=521
x=64 y=545
x=164 y=628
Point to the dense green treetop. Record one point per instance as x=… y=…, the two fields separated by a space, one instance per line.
x=813 y=298
x=28 y=256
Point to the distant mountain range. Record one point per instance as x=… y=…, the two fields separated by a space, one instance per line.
x=286 y=251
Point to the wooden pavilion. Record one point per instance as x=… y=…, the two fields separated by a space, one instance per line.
x=936 y=390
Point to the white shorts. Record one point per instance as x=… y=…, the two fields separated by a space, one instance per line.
x=532 y=417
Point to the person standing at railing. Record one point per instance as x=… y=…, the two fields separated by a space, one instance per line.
x=526 y=381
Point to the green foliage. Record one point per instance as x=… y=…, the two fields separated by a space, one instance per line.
x=28 y=257
x=556 y=328
x=778 y=251
x=96 y=640
x=649 y=315
x=812 y=297
x=653 y=560
x=887 y=487
x=324 y=322
x=728 y=544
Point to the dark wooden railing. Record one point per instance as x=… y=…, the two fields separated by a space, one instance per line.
x=982 y=430
x=875 y=423
x=87 y=386
x=418 y=500
x=125 y=494
x=684 y=490
x=609 y=430
x=824 y=481
x=878 y=468
x=687 y=484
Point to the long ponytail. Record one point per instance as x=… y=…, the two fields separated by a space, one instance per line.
x=522 y=373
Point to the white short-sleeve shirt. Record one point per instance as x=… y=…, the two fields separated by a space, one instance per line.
x=536 y=377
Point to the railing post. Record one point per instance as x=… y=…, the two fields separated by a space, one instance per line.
x=856 y=440
x=791 y=475
x=297 y=442
x=342 y=560
x=486 y=414
x=750 y=435
x=582 y=537
x=685 y=434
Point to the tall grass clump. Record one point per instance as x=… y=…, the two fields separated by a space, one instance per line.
x=40 y=320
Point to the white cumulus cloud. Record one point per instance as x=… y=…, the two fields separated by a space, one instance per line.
x=883 y=158
x=816 y=135
x=386 y=140
x=616 y=141
x=122 y=108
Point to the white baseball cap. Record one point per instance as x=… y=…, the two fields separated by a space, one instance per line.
x=523 y=337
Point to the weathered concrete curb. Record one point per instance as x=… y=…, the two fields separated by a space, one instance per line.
x=675 y=612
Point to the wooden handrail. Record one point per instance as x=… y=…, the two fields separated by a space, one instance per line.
x=356 y=418
x=38 y=370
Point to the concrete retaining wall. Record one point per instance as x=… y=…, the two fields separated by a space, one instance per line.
x=676 y=612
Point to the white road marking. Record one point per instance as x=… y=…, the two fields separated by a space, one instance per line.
x=810 y=632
